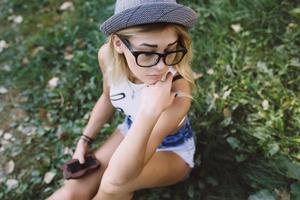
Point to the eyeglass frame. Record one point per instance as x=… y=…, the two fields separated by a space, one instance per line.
x=160 y=55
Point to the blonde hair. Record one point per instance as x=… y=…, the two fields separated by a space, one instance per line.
x=117 y=67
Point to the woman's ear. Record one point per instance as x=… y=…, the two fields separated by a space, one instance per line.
x=117 y=44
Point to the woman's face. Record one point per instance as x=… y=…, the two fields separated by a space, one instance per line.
x=157 y=41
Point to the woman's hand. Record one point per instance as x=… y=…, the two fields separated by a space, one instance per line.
x=157 y=97
x=81 y=150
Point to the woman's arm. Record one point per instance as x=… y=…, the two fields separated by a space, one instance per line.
x=151 y=126
x=101 y=112
x=103 y=109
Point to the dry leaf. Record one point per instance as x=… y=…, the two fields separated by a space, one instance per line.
x=283 y=195
x=3 y=45
x=226 y=94
x=68 y=151
x=210 y=71
x=68 y=5
x=197 y=75
x=36 y=50
x=68 y=56
x=48 y=177
x=42 y=114
x=29 y=130
x=7 y=136
x=53 y=83
x=265 y=105
x=6 y=67
x=12 y=184
x=9 y=167
x=236 y=28
x=18 y=19
x=227 y=112
x=3 y=90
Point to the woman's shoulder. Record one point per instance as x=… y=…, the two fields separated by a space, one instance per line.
x=102 y=55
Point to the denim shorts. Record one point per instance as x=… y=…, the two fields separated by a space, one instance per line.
x=182 y=142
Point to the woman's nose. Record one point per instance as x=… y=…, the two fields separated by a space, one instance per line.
x=160 y=65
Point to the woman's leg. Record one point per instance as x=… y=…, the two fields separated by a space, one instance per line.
x=87 y=186
x=164 y=168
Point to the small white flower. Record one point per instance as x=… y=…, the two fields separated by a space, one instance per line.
x=18 y=19
x=236 y=28
x=12 y=184
x=53 y=83
x=3 y=45
x=210 y=71
x=265 y=104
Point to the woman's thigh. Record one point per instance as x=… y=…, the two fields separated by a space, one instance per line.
x=87 y=186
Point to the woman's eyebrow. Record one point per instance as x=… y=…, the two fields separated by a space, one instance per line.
x=155 y=45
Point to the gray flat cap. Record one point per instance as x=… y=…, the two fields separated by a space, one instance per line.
x=137 y=12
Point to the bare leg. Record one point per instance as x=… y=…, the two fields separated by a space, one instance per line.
x=87 y=186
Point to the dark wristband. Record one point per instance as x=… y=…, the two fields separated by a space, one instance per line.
x=87 y=139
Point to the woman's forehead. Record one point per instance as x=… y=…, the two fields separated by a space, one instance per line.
x=160 y=38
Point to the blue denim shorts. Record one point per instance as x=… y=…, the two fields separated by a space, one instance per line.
x=182 y=142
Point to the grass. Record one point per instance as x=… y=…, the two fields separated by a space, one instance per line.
x=246 y=111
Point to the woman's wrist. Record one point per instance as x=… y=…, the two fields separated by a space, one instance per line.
x=87 y=139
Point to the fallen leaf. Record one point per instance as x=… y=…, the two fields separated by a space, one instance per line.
x=7 y=136
x=18 y=19
x=53 y=83
x=265 y=104
x=12 y=184
x=197 y=75
x=236 y=28
x=283 y=195
x=3 y=90
x=210 y=71
x=68 y=5
x=68 y=151
x=62 y=134
x=68 y=56
x=29 y=130
x=3 y=45
x=226 y=94
x=42 y=114
x=9 y=167
x=6 y=67
x=36 y=50
x=48 y=177
x=227 y=112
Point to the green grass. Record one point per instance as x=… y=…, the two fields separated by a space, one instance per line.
x=246 y=113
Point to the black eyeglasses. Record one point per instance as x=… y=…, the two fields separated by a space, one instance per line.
x=150 y=59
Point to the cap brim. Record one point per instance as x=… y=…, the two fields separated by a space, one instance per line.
x=148 y=14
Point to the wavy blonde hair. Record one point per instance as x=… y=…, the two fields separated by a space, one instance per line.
x=117 y=68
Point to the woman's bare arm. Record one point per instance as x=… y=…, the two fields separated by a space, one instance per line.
x=144 y=136
x=103 y=109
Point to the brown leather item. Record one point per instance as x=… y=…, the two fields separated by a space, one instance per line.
x=72 y=169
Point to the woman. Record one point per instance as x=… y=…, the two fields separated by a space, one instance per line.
x=146 y=75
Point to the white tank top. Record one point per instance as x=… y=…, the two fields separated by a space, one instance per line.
x=126 y=96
